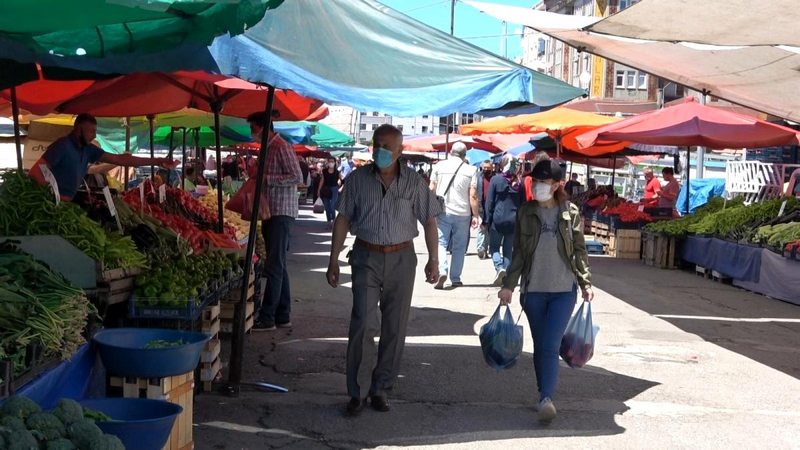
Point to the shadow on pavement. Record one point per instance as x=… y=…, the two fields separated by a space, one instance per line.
x=697 y=301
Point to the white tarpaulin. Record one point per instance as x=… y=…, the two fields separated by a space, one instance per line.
x=765 y=78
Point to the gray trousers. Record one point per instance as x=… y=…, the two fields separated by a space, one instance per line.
x=385 y=282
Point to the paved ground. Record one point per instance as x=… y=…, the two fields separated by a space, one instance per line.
x=681 y=362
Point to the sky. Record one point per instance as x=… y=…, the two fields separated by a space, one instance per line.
x=470 y=24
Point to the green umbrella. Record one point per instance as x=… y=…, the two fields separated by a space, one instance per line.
x=162 y=137
x=327 y=136
x=97 y=28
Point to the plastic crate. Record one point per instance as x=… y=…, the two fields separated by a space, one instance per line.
x=147 y=308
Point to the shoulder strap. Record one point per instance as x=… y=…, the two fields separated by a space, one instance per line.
x=453 y=178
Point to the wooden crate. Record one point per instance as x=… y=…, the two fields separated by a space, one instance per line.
x=227 y=326
x=178 y=389
x=625 y=244
x=659 y=250
x=210 y=365
x=226 y=314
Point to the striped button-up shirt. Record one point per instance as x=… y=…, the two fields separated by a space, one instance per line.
x=386 y=216
x=282 y=175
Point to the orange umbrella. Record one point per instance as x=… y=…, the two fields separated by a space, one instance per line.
x=551 y=120
x=567 y=137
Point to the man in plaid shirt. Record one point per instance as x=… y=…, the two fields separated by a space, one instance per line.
x=281 y=176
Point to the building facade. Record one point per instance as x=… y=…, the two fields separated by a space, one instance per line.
x=602 y=78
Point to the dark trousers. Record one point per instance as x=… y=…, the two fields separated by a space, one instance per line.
x=276 y=305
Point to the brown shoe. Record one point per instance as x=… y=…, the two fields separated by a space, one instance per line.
x=355 y=406
x=379 y=403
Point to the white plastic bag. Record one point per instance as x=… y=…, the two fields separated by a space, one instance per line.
x=319 y=208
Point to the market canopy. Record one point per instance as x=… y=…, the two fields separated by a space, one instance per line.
x=120 y=36
x=442 y=143
x=763 y=77
x=690 y=124
x=363 y=54
x=551 y=120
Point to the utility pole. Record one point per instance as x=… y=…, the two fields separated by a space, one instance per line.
x=452 y=32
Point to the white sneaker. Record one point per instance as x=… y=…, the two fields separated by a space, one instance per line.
x=440 y=283
x=500 y=278
x=547 y=411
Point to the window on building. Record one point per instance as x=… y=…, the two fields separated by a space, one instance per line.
x=374 y=126
x=363 y=126
x=424 y=129
x=425 y=117
x=375 y=113
x=630 y=79
x=540 y=47
x=400 y=127
x=576 y=66
x=625 y=3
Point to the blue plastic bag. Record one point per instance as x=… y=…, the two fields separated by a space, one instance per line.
x=577 y=345
x=501 y=340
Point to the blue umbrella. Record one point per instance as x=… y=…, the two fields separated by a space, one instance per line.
x=477 y=156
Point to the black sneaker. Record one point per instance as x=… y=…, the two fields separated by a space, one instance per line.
x=264 y=326
x=355 y=406
x=284 y=325
x=456 y=284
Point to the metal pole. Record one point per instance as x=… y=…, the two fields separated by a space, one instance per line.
x=452 y=32
x=688 y=170
x=613 y=172
x=17 y=138
x=217 y=107
x=127 y=149
x=150 y=119
x=701 y=151
x=183 y=158
x=237 y=343
x=171 y=141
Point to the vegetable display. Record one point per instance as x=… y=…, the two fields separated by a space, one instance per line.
x=160 y=343
x=628 y=212
x=24 y=426
x=38 y=307
x=680 y=227
x=27 y=209
x=240 y=227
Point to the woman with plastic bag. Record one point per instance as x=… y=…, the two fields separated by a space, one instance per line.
x=550 y=257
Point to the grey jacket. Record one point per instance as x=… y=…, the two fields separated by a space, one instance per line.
x=572 y=246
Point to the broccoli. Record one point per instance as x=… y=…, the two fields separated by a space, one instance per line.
x=107 y=442
x=84 y=432
x=12 y=423
x=47 y=424
x=97 y=416
x=2 y=439
x=22 y=440
x=21 y=407
x=61 y=444
x=68 y=411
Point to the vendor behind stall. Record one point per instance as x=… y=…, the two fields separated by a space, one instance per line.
x=68 y=158
x=652 y=188
x=669 y=190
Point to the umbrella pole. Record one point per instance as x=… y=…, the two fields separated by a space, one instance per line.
x=17 y=137
x=171 y=141
x=127 y=148
x=150 y=119
x=217 y=107
x=183 y=159
x=237 y=343
x=558 y=145
x=688 y=170
x=613 y=172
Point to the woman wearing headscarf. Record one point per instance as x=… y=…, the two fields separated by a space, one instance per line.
x=502 y=201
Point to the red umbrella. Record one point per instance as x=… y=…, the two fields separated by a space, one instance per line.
x=690 y=123
x=438 y=143
x=142 y=94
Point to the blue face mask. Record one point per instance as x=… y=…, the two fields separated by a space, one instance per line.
x=383 y=158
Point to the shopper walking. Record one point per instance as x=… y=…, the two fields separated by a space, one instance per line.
x=281 y=176
x=381 y=204
x=550 y=257
x=329 y=189
x=484 y=178
x=454 y=183
x=505 y=196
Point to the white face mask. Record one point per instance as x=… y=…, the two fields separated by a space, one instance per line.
x=542 y=192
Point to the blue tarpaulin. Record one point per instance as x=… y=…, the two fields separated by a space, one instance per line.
x=702 y=190
x=82 y=376
x=363 y=54
x=740 y=262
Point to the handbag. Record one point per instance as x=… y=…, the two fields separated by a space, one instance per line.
x=318 y=207
x=242 y=202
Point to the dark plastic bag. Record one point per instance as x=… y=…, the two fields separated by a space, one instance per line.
x=501 y=340
x=577 y=345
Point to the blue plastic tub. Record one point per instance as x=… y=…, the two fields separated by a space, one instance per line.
x=140 y=423
x=124 y=354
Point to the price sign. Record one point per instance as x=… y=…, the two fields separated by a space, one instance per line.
x=162 y=193
x=641 y=208
x=783 y=208
x=51 y=180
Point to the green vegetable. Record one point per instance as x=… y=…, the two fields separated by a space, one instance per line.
x=68 y=411
x=158 y=343
x=107 y=442
x=47 y=424
x=12 y=423
x=61 y=444
x=83 y=432
x=18 y=407
x=97 y=416
x=22 y=440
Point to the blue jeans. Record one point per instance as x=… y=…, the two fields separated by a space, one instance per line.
x=483 y=239
x=330 y=204
x=453 y=235
x=276 y=306
x=498 y=240
x=548 y=315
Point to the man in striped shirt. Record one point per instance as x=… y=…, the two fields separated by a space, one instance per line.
x=281 y=176
x=382 y=205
